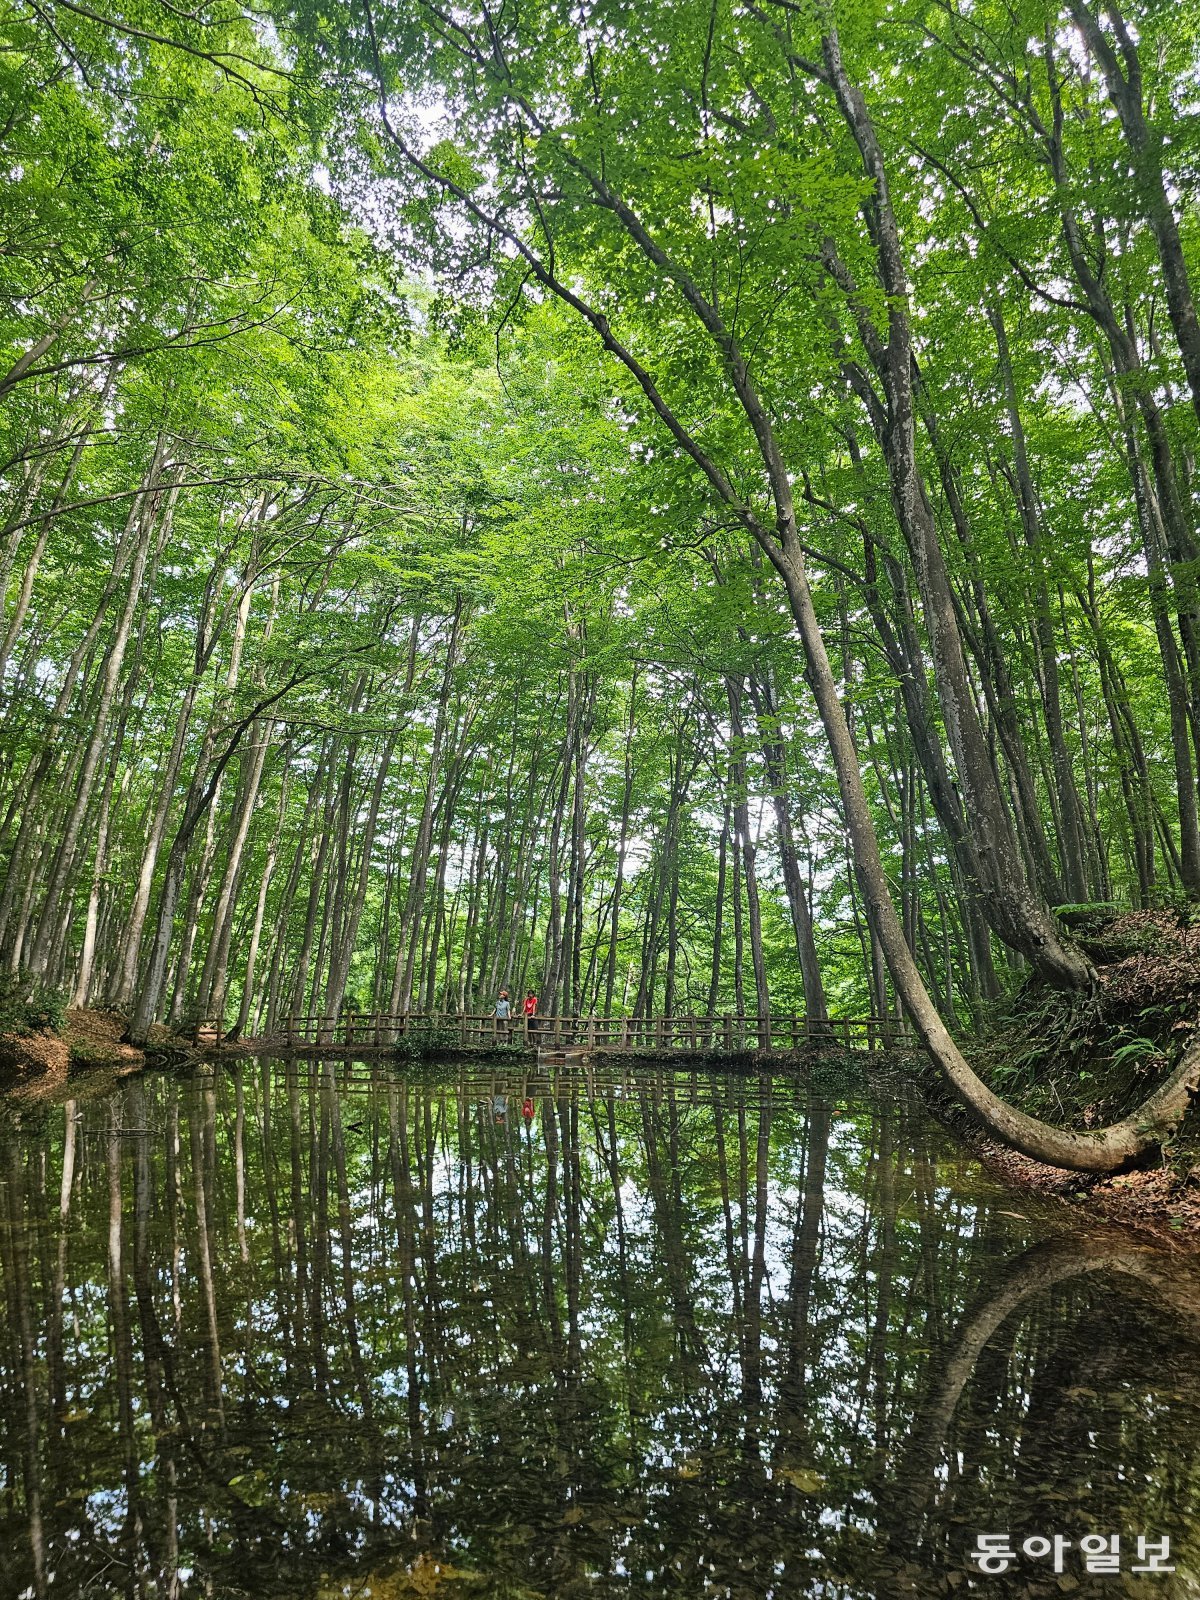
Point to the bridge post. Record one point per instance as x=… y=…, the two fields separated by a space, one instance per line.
x=349 y=1027
x=727 y=1021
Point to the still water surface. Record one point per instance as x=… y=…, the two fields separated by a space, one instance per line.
x=306 y=1331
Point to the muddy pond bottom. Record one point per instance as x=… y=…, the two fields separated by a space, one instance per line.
x=314 y=1331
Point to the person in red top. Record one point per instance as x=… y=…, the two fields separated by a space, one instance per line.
x=531 y=1004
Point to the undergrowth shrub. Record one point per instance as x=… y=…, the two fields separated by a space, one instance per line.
x=29 y=1008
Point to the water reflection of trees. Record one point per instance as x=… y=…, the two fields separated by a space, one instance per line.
x=277 y=1323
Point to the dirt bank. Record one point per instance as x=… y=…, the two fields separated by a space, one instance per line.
x=95 y=1038
x=1083 y=1063
x=1087 y=1061
x=1159 y=1201
x=87 y=1038
x=32 y=1053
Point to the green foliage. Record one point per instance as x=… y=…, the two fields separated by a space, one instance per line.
x=27 y=1007
x=1134 y=1051
x=1089 y=914
x=422 y=1040
x=93 y=1053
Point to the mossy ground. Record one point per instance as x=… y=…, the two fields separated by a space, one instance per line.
x=1084 y=1061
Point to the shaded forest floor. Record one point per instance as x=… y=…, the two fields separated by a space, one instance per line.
x=1085 y=1062
x=78 y=1038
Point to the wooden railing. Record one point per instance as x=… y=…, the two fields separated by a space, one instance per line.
x=467 y=1030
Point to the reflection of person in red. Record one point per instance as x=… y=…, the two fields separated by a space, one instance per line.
x=527 y=1111
x=531 y=1004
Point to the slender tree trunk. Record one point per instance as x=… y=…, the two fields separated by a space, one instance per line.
x=610 y=976
x=112 y=670
x=260 y=909
x=213 y=980
x=714 y=982
x=402 y=980
x=741 y=822
x=774 y=760
x=1009 y=901
x=339 y=969
x=1070 y=810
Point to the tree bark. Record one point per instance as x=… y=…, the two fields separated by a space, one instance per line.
x=1010 y=903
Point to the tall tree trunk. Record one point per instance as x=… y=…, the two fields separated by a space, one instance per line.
x=1009 y=901
x=1070 y=810
x=402 y=979
x=260 y=909
x=714 y=982
x=347 y=934
x=774 y=760
x=211 y=996
x=113 y=663
x=610 y=975
x=741 y=823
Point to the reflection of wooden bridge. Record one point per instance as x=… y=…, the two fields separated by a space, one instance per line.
x=688 y=1082
x=434 y=1030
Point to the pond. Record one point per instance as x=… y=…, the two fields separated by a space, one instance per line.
x=299 y=1329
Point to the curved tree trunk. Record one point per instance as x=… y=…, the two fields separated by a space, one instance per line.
x=1099 y=1150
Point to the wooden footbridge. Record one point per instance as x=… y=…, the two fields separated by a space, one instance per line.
x=687 y=1035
